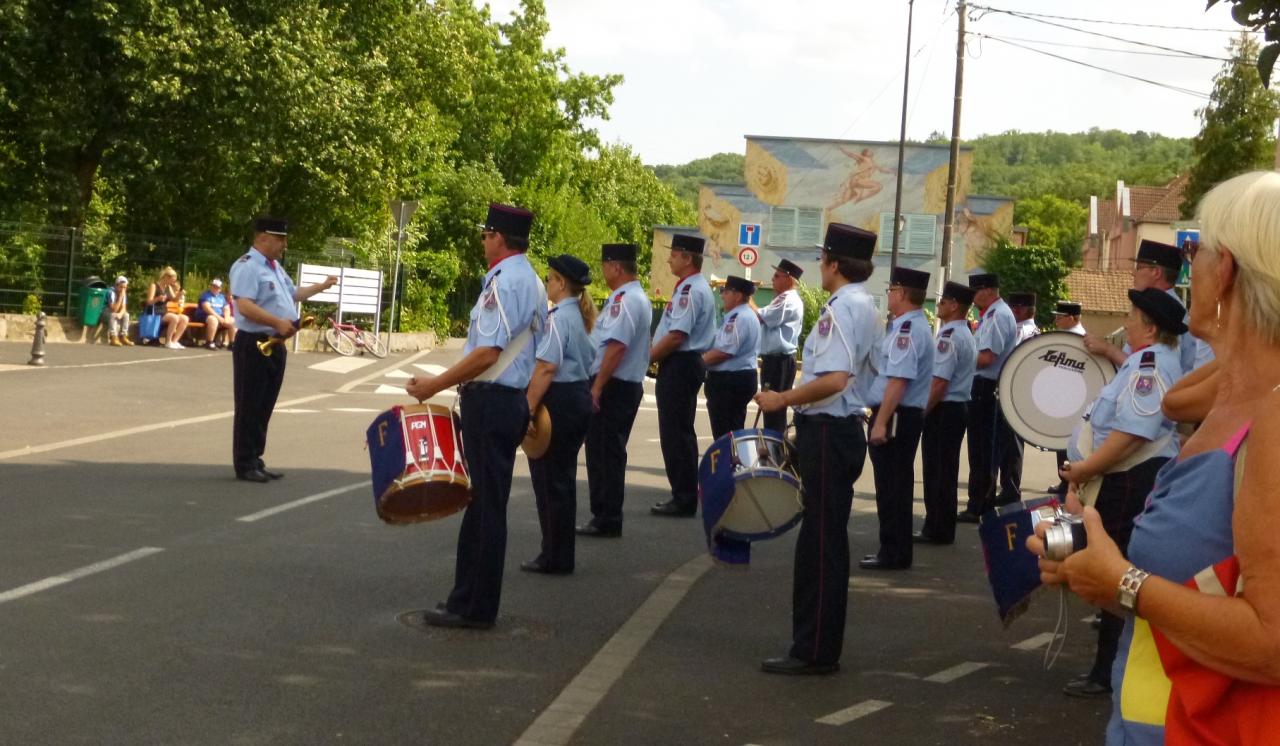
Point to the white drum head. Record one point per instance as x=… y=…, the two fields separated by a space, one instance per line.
x=761 y=504
x=1047 y=384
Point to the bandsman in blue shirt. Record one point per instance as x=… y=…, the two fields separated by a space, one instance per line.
x=731 y=361
x=685 y=331
x=955 y=359
x=507 y=322
x=266 y=306
x=831 y=447
x=780 y=324
x=898 y=398
x=1122 y=442
x=995 y=453
x=621 y=338
x=560 y=381
x=1023 y=305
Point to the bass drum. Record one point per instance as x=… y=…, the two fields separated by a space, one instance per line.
x=1047 y=384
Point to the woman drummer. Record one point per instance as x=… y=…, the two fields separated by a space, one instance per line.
x=1131 y=439
x=560 y=381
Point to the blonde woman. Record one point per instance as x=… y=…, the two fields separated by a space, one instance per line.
x=160 y=294
x=1199 y=657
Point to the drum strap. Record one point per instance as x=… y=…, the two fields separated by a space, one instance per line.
x=1088 y=492
x=507 y=357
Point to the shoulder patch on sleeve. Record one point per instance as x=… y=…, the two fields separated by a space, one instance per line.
x=946 y=333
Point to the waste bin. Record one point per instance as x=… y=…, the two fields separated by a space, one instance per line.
x=93 y=296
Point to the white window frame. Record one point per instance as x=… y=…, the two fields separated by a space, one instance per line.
x=917 y=225
x=794 y=238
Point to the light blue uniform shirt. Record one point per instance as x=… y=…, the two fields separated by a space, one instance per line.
x=842 y=340
x=1204 y=353
x=739 y=337
x=1131 y=402
x=565 y=343
x=625 y=318
x=998 y=332
x=955 y=360
x=781 y=321
x=513 y=299
x=906 y=352
x=263 y=281
x=692 y=310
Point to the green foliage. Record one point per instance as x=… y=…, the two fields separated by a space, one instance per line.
x=1237 y=125
x=1037 y=269
x=684 y=179
x=1053 y=221
x=814 y=298
x=1260 y=15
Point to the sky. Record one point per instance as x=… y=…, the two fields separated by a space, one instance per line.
x=702 y=74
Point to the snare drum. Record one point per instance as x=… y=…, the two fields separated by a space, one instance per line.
x=419 y=469
x=750 y=491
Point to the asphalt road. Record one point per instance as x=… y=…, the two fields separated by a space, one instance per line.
x=148 y=597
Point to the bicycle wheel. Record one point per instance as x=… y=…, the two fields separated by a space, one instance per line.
x=339 y=342
x=373 y=343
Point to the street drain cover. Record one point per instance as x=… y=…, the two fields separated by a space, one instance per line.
x=506 y=628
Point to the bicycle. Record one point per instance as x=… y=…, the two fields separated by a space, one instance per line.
x=345 y=339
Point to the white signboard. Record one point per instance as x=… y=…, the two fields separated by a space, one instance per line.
x=357 y=291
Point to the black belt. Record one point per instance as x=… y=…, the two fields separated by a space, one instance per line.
x=476 y=387
x=778 y=354
x=827 y=419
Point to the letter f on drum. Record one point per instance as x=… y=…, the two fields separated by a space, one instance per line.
x=1011 y=530
x=715 y=456
x=382 y=433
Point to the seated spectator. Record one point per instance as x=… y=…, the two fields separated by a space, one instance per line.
x=162 y=293
x=118 y=313
x=215 y=313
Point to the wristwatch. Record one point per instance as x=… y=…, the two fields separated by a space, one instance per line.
x=1127 y=591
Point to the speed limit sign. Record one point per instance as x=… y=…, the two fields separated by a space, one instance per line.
x=748 y=256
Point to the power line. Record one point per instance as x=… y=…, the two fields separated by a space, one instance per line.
x=1178 y=55
x=1023 y=16
x=1120 y=23
x=1177 y=89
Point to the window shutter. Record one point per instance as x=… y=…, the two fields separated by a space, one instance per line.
x=808 y=227
x=782 y=226
x=921 y=234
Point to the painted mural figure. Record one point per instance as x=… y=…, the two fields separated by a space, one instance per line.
x=862 y=183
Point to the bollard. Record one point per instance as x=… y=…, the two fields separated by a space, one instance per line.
x=37 y=342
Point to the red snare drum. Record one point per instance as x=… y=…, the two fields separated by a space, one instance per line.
x=419 y=469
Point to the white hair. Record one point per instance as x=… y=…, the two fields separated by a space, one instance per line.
x=1242 y=215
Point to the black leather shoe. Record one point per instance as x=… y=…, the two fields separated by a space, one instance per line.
x=1087 y=689
x=965 y=516
x=439 y=617
x=921 y=537
x=540 y=565
x=795 y=667
x=591 y=528
x=271 y=474
x=875 y=563
x=673 y=509
x=253 y=475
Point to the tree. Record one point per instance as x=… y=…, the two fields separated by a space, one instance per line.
x=1037 y=269
x=1053 y=221
x=1236 y=126
x=684 y=179
x=1259 y=15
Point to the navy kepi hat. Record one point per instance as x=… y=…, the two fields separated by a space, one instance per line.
x=849 y=241
x=274 y=226
x=1025 y=299
x=957 y=292
x=571 y=268
x=619 y=252
x=741 y=284
x=508 y=220
x=1067 y=308
x=687 y=243
x=909 y=278
x=1162 y=308
x=786 y=266
x=1162 y=254
x=984 y=280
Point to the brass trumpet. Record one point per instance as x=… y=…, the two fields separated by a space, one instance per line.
x=266 y=346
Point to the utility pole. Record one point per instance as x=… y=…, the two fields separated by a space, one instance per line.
x=953 y=168
x=902 y=143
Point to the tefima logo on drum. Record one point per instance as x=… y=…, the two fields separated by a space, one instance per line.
x=1062 y=360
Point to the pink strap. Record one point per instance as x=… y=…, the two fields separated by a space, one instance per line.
x=1233 y=444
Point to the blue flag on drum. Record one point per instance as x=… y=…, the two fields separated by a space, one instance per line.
x=1011 y=567
x=749 y=490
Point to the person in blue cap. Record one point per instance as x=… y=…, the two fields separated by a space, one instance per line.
x=685 y=331
x=898 y=397
x=621 y=337
x=560 y=381
x=266 y=306
x=831 y=447
x=731 y=361
x=498 y=358
x=780 y=324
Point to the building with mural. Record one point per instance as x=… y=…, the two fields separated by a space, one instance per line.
x=793 y=187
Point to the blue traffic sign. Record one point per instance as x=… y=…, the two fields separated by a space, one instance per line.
x=749 y=234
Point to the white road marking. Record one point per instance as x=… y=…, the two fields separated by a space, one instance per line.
x=562 y=718
x=384 y=388
x=350 y=386
x=849 y=714
x=57 y=580
x=295 y=411
x=951 y=674
x=5 y=368
x=252 y=517
x=399 y=374
x=343 y=364
x=353 y=409
x=707 y=438
x=650 y=399
x=430 y=368
x=1031 y=643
